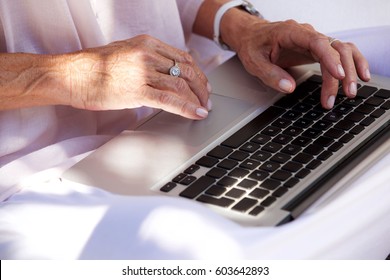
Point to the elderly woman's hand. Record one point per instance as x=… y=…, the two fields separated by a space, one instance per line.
x=266 y=49
x=135 y=73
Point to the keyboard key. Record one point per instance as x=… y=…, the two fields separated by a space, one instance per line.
x=257 y=124
x=245 y=204
x=192 y=169
x=207 y=161
x=235 y=193
x=303 y=123
x=324 y=141
x=250 y=164
x=313 y=115
x=270 y=166
x=375 y=101
x=291 y=149
x=220 y=152
x=353 y=101
x=336 y=146
x=293 y=131
x=282 y=139
x=314 y=164
x=365 y=109
x=216 y=190
x=366 y=91
x=227 y=181
x=272 y=147
x=292 y=166
x=302 y=173
x=261 y=139
x=291 y=182
x=386 y=105
x=261 y=156
x=239 y=155
x=271 y=131
x=355 y=117
x=303 y=158
x=179 y=177
x=345 y=125
x=197 y=187
x=268 y=201
x=313 y=149
x=188 y=180
x=280 y=158
x=322 y=125
x=250 y=147
x=256 y=211
x=259 y=193
x=357 y=129
x=378 y=113
x=222 y=202
x=228 y=164
x=301 y=141
x=292 y=115
x=325 y=155
x=168 y=187
x=238 y=173
x=281 y=123
x=367 y=121
x=346 y=138
x=270 y=184
x=216 y=173
x=383 y=93
x=333 y=133
x=247 y=184
x=258 y=175
x=281 y=175
x=280 y=192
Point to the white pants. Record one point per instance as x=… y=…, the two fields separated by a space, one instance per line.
x=50 y=219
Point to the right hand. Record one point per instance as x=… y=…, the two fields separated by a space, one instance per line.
x=135 y=73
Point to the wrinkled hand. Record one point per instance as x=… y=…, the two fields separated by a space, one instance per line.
x=266 y=49
x=135 y=73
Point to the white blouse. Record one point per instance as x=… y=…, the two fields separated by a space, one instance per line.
x=60 y=26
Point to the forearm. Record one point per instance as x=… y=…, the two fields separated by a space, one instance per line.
x=233 y=22
x=33 y=80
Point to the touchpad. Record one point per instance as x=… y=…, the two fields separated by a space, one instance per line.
x=225 y=113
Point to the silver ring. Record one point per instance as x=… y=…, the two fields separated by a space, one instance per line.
x=175 y=70
x=332 y=40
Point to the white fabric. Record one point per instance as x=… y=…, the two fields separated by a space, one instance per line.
x=48 y=219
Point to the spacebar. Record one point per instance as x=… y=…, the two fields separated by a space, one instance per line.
x=254 y=126
x=197 y=187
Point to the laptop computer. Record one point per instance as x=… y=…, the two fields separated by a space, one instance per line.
x=260 y=158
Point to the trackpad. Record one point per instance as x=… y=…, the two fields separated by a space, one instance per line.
x=225 y=113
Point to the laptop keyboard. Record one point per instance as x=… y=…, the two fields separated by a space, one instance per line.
x=270 y=155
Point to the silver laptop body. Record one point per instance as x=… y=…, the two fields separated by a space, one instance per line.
x=169 y=155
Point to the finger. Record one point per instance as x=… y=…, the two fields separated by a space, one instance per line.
x=196 y=80
x=328 y=57
x=348 y=62
x=270 y=74
x=173 y=103
x=190 y=72
x=329 y=88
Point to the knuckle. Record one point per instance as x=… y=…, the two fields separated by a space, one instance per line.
x=180 y=85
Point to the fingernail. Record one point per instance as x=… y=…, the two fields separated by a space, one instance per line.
x=341 y=71
x=209 y=105
x=368 y=74
x=331 y=101
x=201 y=112
x=209 y=88
x=285 y=85
x=353 y=89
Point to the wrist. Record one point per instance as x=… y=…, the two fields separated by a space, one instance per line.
x=233 y=25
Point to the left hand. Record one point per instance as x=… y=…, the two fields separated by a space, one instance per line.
x=266 y=49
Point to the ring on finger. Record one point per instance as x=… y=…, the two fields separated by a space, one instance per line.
x=332 y=40
x=175 y=70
